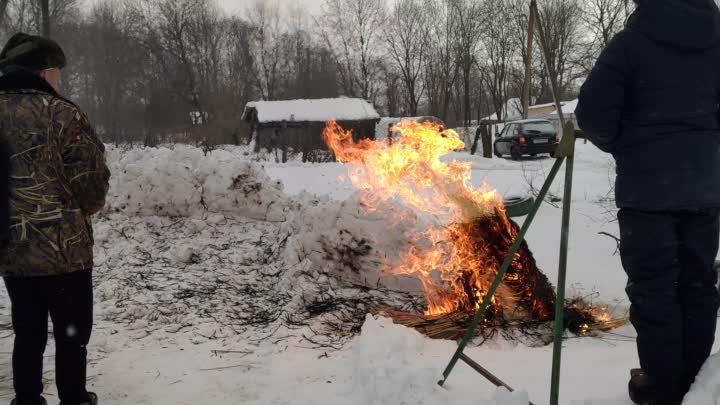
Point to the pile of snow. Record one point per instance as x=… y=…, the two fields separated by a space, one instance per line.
x=211 y=245
x=385 y=370
x=184 y=181
x=706 y=390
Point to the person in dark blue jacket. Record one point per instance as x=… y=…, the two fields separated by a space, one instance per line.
x=652 y=102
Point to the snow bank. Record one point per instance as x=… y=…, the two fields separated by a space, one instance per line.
x=706 y=390
x=386 y=359
x=211 y=245
x=184 y=181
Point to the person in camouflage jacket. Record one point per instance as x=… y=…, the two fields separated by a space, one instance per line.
x=58 y=180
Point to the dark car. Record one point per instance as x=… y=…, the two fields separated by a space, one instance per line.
x=531 y=137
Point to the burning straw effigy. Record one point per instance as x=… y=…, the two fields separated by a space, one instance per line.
x=462 y=237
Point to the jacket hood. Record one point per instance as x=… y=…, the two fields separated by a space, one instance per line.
x=692 y=25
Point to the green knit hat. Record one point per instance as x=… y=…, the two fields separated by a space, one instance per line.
x=32 y=52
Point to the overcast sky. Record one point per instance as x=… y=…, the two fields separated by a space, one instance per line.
x=239 y=6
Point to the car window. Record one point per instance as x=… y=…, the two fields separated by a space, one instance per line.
x=538 y=127
x=512 y=131
x=504 y=132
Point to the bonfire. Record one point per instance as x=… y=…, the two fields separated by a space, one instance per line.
x=463 y=233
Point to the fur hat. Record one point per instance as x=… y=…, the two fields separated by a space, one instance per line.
x=31 y=52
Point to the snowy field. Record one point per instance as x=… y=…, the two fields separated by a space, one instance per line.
x=201 y=259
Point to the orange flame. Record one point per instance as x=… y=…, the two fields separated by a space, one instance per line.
x=411 y=169
x=454 y=271
x=458 y=234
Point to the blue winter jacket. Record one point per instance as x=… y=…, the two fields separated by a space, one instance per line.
x=652 y=101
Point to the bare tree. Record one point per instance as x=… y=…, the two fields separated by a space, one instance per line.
x=562 y=22
x=36 y=16
x=500 y=46
x=174 y=21
x=3 y=10
x=352 y=30
x=441 y=67
x=393 y=94
x=45 y=5
x=605 y=18
x=407 y=43
x=141 y=67
x=266 y=47
x=109 y=50
x=470 y=23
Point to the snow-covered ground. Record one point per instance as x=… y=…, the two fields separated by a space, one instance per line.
x=201 y=260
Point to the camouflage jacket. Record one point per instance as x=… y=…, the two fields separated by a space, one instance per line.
x=58 y=179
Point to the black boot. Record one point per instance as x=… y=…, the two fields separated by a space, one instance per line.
x=15 y=402
x=92 y=400
x=643 y=392
x=640 y=387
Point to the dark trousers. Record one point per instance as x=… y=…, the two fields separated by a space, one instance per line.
x=68 y=298
x=672 y=286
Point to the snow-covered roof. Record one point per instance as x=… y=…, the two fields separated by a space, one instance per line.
x=319 y=110
x=568 y=108
x=543 y=105
x=511 y=110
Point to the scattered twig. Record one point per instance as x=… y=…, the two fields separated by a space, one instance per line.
x=617 y=240
x=220 y=352
x=226 y=367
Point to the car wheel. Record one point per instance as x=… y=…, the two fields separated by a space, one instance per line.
x=515 y=154
x=552 y=154
x=497 y=153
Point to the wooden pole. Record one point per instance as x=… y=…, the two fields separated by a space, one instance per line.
x=566 y=150
x=559 y=327
x=480 y=314
x=548 y=62
x=528 y=62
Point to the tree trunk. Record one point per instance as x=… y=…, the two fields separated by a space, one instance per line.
x=467 y=113
x=45 y=5
x=487 y=142
x=3 y=9
x=475 y=142
x=528 y=63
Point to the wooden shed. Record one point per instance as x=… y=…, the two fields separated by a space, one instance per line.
x=296 y=126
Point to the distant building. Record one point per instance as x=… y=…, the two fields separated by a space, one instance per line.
x=298 y=124
x=568 y=109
